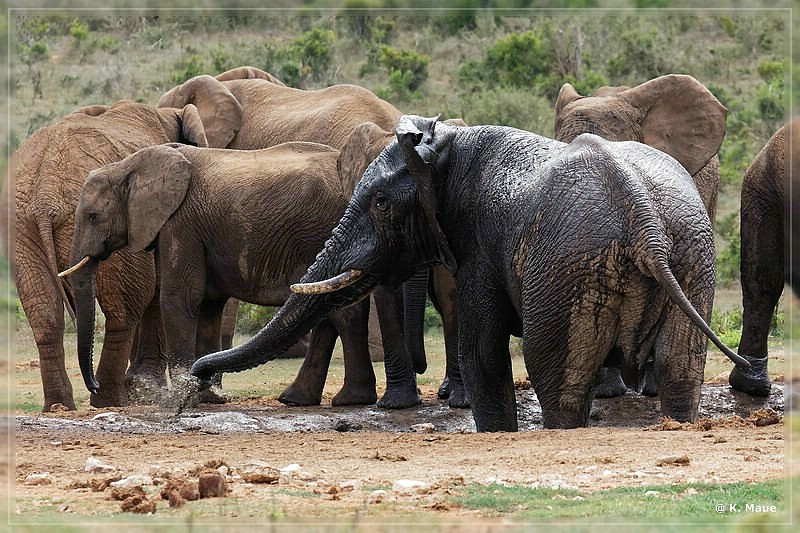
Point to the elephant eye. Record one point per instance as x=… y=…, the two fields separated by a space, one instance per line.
x=381 y=203
x=92 y=217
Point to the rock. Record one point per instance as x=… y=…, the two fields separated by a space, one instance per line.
x=343 y=425
x=136 y=480
x=407 y=484
x=259 y=473
x=190 y=491
x=110 y=416
x=39 y=479
x=652 y=493
x=427 y=427
x=691 y=491
x=223 y=470
x=212 y=485
x=124 y=493
x=288 y=469
x=95 y=466
x=376 y=496
x=674 y=460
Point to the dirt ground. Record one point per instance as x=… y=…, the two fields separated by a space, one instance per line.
x=290 y=462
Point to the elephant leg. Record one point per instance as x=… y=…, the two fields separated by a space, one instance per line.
x=45 y=313
x=401 y=379
x=209 y=327
x=445 y=299
x=564 y=367
x=762 y=284
x=228 y=323
x=485 y=360
x=307 y=386
x=146 y=378
x=359 y=377
x=611 y=383
x=678 y=362
x=649 y=388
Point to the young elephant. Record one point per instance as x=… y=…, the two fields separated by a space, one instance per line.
x=577 y=248
x=224 y=223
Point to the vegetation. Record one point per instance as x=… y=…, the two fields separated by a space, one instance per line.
x=486 y=67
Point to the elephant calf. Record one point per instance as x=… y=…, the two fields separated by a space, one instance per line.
x=224 y=223
x=579 y=248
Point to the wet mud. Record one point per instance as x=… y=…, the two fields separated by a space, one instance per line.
x=628 y=411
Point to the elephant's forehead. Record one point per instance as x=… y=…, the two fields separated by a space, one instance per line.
x=386 y=171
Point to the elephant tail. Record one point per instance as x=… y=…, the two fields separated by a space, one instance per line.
x=45 y=226
x=660 y=270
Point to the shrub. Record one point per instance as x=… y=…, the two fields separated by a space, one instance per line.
x=194 y=66
x=314 y=51
x=251 y=318
x=521 y=59
x=729 y=256
x=410 y=65
x=728 y=326
x=771 y=70
x=79 y=30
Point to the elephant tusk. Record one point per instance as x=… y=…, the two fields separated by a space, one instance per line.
x=329 y=285
x=79 y=266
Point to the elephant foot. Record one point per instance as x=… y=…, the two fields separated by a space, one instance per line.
x=444 y=389
x=755 y=381
x=611 y=384
x=212 y=394
x=458 y=398
x=295 y=395
x=143 y=390
x=351 y=394
x=400 y=396
x=109 y=397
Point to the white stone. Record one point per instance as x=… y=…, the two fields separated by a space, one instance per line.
x=39 y=479
x=288 y=469
x=691 y=491
x=96 y=466
x=223 y=470
x=376 y=496
x=407 y=484
x=109 y=417
x=652 y=493
x=136 y=480
x=427 y=427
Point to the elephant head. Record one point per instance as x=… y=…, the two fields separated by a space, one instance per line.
x=123 y=203
x=388 y=232
x=674 y=113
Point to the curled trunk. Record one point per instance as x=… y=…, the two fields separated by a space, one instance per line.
x=83 y=285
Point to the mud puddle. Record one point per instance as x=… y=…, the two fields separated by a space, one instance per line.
x=630 y=410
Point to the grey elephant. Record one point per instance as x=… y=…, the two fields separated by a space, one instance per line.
x=764 y=263
x=578 y=248
x=674 y=113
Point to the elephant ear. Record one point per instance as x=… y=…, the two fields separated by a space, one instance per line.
x=413 y=133
x=566 y=95
x=681 y=118
x=220 y=112
x=248 y=73
x=362 y=146
x=157 y=180
x=94 y=110
x=193 y=130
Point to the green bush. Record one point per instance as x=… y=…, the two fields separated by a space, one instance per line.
x=410 y=65
x=770 y=102
x=314 y=51
x=433 y=319
x=521 y=59
x=729 y=257
x=79 y=30
x=193 y=66
x=728 y=326
x=771 y=70
x=251 y=318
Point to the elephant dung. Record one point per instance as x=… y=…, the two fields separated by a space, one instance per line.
x=212 y=485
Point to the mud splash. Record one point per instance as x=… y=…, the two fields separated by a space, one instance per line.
x=630 y=410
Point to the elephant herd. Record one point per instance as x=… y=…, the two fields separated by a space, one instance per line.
x=595 y=246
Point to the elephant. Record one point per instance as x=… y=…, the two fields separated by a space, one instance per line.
x=764 y=264
x=48 y=171
x=224 y=223
x=327 y=116
x=674 y=113
x=577 y=248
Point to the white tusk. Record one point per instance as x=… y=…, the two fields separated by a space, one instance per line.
x=79 y=266
x=329 y=285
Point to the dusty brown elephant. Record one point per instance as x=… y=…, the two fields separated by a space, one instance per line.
x=674 y=113
x=764 y=264
x=288 y=114
x=224 y=223
x=49 y=171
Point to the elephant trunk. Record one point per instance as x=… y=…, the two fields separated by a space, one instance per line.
x=415 y=291
x=296 y=317
x=83 y=285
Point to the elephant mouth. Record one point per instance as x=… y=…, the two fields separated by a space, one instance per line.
x=327 y=286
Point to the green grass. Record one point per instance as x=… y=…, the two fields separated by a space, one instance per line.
x=667 y=503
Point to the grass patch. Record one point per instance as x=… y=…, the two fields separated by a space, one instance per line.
x=690 y=502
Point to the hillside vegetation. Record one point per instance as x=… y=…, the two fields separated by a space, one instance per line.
x=481 y=66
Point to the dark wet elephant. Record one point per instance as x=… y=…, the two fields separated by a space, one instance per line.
x=764 y=263
x=573 y=278
x=674 y=113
